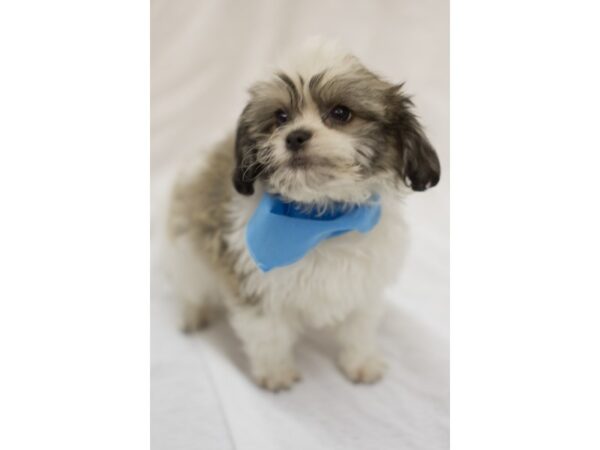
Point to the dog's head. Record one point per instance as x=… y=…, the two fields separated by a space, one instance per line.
x=327 y=129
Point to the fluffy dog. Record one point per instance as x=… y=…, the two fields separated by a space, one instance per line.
x=322 y=130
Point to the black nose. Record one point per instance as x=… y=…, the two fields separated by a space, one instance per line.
x=296 y=139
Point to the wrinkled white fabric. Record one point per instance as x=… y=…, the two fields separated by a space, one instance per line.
x=204 y=56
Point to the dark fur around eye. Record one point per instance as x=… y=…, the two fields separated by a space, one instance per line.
x=281 y=117
x=341 y=113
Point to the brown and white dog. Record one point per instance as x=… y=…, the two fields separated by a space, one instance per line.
x=321 y=130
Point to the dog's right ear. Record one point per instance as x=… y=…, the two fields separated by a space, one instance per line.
x=246 y=167
x=417 y=164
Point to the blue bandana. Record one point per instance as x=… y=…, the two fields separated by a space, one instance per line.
x=279 y=233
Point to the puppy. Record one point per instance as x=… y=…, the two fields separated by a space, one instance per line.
x=323 y=130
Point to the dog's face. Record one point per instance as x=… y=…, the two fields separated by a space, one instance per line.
x=330 y=130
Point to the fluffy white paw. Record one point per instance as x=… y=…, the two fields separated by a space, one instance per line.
x=363 y=370
x=277 y=379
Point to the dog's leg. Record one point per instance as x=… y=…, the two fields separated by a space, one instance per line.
x=360 y=358
x=195 y=285
x=268 y=342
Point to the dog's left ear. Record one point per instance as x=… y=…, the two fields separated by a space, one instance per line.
x=246 y=168
x=417 y=163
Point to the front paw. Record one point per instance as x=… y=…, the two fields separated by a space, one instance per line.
x=276 y=378
x=367 y=369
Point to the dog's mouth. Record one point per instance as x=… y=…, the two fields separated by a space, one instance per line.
x=300 y=162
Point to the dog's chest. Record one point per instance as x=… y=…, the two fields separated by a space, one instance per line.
x=337 y=276
x=329 y=282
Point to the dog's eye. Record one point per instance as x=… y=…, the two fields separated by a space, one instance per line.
x=340 y=113
x=281 y=116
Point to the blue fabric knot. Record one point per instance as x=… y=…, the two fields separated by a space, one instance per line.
x=280 y=233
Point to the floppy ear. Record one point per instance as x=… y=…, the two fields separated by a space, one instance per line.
x=246 y=168
x=417 y=163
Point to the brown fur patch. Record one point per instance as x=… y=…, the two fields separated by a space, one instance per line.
x=198 y=210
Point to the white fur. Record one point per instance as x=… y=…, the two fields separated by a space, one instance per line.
x=338 y=285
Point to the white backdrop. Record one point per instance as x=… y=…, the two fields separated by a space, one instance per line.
x=204 y=56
